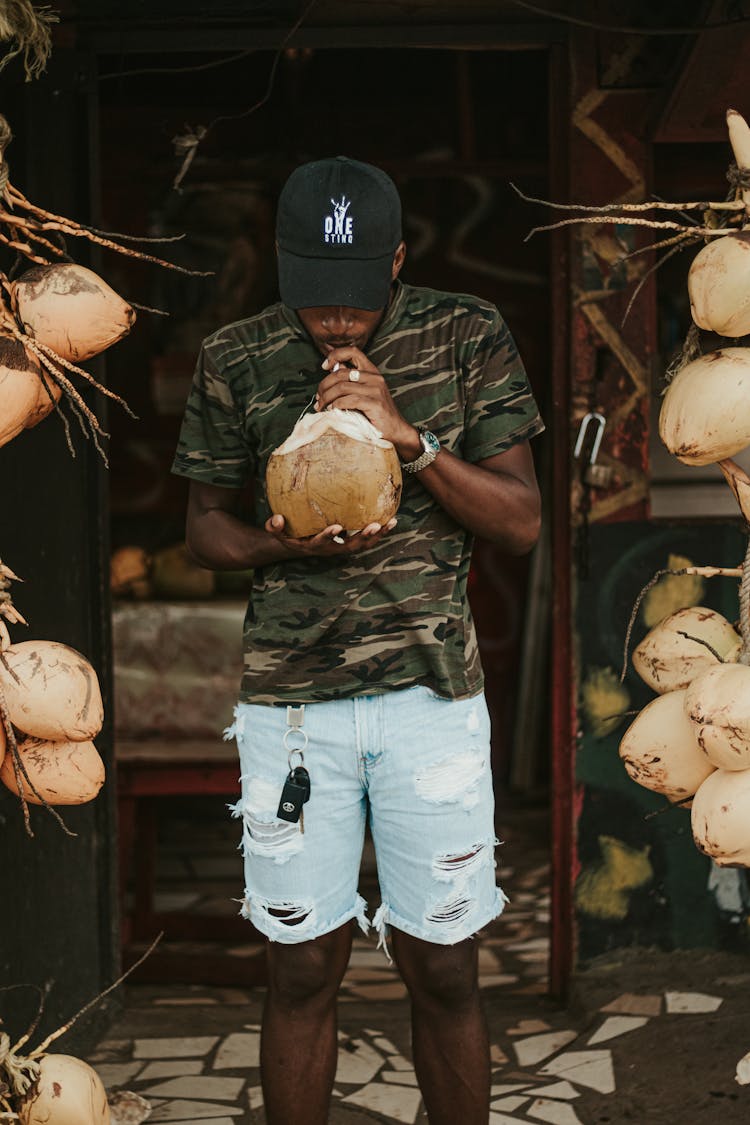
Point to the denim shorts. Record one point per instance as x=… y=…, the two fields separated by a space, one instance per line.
x=420 y=765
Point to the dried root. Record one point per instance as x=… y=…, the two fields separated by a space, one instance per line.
x=39 y=236
x=23 y=223
x=28 y=30
x=718 y=218
x=7 y=609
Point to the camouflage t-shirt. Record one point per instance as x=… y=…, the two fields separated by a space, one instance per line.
x=396 y=614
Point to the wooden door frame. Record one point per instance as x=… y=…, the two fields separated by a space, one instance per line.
x=552 y=38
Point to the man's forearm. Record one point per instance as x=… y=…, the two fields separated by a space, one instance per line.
x=221 y=541
x=494 y=505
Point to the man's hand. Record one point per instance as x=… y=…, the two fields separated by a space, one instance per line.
x=368 y=393
x=332 y=542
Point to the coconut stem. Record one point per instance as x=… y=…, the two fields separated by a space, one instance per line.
x=649 y=273
x=87 y=1007
x=43 y=994
x=50 y=221
x=649 y=205
x=22 y=248
x=667 y=808
x=689 y=351
x=20 y=1073
x=625 y=220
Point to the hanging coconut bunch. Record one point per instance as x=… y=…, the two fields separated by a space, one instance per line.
x=693 y=741
x=40 y=1087
x=334 y=468
x=59 y=313
x=719 y=278
x=703 y=416
x=50 y=710
x=721 y=218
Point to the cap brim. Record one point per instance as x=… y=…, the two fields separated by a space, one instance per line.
x=357 y=283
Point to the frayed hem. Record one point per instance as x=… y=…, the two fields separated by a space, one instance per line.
x=385 y=919
x=237 y=728
x=258 y=918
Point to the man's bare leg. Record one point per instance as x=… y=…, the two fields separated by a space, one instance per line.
x=449 y=1030
x=298 y=1042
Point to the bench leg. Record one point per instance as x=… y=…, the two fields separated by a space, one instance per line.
x=146 y=841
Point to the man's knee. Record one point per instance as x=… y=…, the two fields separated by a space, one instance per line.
x=309 y=971
x=438 y=976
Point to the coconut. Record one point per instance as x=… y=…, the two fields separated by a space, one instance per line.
x=63 y=773
x=173 y=574
x=718 y=704
x=719 y=285
x=70 y=309
x=51 y=691
x=705 y=414
x=671 y=655
x=660 y=752
x=129 y=572
x=20 y=387
x=67 y=1092
x=50 y=393
x=334 y=468
x=720 y=818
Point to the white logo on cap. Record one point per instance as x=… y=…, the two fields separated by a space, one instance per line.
x=339 y=227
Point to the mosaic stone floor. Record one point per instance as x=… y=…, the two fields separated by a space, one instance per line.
x=183 y=1054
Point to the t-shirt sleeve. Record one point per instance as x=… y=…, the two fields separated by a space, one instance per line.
x=500 y=408
x=212 y=445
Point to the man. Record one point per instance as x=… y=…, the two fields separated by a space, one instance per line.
x=360 y=653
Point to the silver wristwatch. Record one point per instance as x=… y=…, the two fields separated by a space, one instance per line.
x=431 y=447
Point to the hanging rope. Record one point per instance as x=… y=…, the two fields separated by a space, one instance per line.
x=744 y=657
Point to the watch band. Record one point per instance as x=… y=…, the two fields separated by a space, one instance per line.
x=431 y=447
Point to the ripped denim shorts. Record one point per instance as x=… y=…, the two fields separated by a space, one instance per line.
x=420 y=765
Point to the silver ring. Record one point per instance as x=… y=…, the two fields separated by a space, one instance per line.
x=296 y=749
x=354 y=375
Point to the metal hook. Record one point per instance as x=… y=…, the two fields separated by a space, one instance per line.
x=600 y=422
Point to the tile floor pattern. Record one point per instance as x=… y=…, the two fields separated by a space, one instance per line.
x=192 y=1052
x=537 y=1071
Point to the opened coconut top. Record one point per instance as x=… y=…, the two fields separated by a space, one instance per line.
x=351 y=423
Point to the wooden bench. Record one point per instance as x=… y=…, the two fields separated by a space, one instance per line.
x=149 y=772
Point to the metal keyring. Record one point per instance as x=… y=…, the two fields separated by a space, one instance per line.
x=295 y=749
x=290 y=758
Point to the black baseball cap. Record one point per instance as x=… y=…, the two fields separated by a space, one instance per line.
x=337 y=226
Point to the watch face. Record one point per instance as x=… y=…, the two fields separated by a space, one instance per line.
x=429 y=442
